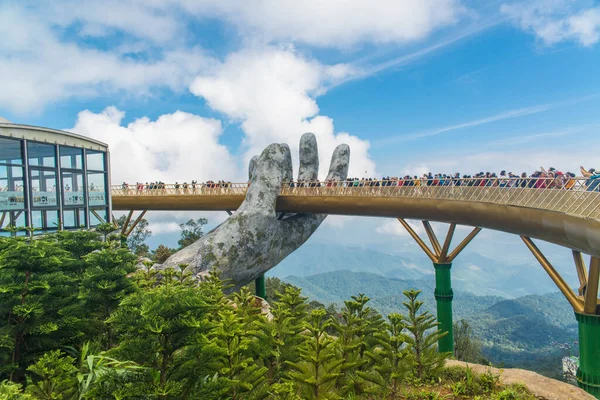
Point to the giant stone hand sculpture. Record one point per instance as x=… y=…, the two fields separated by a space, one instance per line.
x=254 y=240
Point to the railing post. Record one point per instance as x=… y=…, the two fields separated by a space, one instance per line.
x=443 y=296
x=261 y=290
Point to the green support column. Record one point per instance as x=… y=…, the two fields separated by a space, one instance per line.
x=588 y=373
x=261 y=290
x=443 y=295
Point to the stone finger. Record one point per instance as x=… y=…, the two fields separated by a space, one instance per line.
x=252 y=167
x=340 y=161
x=265 y=184
x=288 y=170
x=309 y=158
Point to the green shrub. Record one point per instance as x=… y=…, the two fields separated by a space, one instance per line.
x=12 y=391
x=489 y=381
x=453 y=374
x=515 y=391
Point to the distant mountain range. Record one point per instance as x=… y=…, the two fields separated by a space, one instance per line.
x=471 y=272
x=515 y=310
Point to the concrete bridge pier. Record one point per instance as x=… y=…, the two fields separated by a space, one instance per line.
x=442 y=262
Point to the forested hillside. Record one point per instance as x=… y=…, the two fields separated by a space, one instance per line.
x=532 y=332
x=81 y=319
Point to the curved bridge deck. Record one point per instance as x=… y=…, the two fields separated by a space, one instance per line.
x=566 y=212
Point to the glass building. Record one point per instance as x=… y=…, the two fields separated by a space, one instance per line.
x=51 y=179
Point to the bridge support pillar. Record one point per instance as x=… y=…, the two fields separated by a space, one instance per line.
x=261 y=289
x=587 y=310
x=588 y=373
x=443 y=296
x=442 y=259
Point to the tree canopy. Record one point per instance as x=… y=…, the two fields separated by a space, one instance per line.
x=79 y=321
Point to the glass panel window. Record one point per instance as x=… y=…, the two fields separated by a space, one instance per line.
x=51 y=219
x=95 y=213
x=12 y=218
x=97 y=189
x=81 y=215
x=73 y=218
x=43 y=185
x=69 y=219
x=41 y=154
x=10 y=151
x=96 y=160
x=73 y=188
x=36 y=219
x=11 y=188
x=44 y=219
x=71 y=157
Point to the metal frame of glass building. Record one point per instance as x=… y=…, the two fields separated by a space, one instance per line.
x=52 y=179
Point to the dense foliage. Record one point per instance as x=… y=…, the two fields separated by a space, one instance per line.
x=79 y=319
x=531 y=332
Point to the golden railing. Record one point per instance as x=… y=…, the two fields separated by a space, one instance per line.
x=579 y=197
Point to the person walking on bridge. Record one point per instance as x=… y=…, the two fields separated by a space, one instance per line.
x=593 y=178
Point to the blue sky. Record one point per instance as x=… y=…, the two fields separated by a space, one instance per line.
x=191 y=89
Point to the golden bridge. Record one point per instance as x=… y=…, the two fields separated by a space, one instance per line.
x=569 y=217
x=563 y=212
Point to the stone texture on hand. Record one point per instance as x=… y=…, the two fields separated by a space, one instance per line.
x=254 y=240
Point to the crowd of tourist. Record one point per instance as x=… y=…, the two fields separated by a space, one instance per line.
x=541 y=179
x=551 y=178
x=185 y=187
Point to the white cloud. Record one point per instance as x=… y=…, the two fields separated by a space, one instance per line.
x=393 y=227
x=340 y=221
x=556 y=21
x=333 y=23
x=176 y=147
x=48 y=54
x=271 y=92
x=163 y=227
x=101 y=18
x=38 y=67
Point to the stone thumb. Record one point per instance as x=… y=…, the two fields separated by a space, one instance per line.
x=266 y=179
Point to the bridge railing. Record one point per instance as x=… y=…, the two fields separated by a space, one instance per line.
x=576 y=196
x=199 y=189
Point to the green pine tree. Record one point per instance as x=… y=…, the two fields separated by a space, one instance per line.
x=355 y=329
x=54 y=377
x=233 y=334
x=37 y=282
x=387 y=366
x=466 y=346
x=422 y=345
x=289 y=314
x=103 y=286
x=319 y=363
x=157 y=326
